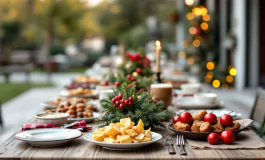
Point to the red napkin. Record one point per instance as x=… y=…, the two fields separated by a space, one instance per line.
x=79 y=124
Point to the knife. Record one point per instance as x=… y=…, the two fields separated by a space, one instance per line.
x=169 y=142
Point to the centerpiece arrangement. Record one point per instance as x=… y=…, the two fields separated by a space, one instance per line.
x=128 y=102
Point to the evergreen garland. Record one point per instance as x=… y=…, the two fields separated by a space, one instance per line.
x=143 y=107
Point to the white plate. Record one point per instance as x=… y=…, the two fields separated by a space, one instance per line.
x=123 y=146
x=46 y=105
x=64 y=93
x=190 y=103
x=95 y=115
x=217 y=112
x=48 y=137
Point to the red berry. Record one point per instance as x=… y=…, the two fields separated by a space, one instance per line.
x=106 y=84
x=129 y=76
x=113 y=100
x=117 y=103
x=130 y=99
x=130 y=103
x=121 y=106
x=116 y=98
x=116 y=84
x=139 y=70
x=114 y=106
x=132 y=79
x=130 y=85
x=120 y=96
x=126 y=101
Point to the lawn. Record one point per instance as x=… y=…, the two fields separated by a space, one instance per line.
x=11 y=90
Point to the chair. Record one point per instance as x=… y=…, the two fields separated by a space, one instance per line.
x=258 y=112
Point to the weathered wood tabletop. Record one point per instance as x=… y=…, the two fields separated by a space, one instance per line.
x=82 y=149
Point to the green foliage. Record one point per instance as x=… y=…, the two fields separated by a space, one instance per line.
x=143 y=108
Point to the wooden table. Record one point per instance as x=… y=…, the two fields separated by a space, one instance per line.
x=82 y=149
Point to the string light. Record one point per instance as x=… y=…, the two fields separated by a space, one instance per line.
x=197 y=11
x=204 y=11
x=196 y=43
x=206 y=17
x=229 y=79
x=189 y=2
x=204 y=26
x=192 y=30
x=225 y=86
x=216 y=83
x=190 y=16
x=210 y=65
x=232 y=71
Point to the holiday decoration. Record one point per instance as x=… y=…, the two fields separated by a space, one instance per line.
x=128 y=102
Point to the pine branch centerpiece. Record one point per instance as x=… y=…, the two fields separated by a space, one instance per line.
x=128 y=102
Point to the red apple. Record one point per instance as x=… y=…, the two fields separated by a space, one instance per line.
x=176 y=119
x=226 y=120
x=210 y=117
x=213 y=138
x=227 y=137
x=185 y=117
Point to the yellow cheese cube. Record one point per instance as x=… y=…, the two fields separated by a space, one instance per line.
x=131 y=132
x=125 y=139
x=140 y=123
x=135 y=141
x=123 y=131
x=110 y=131
x=146 y=139
x=109 y=140
x=126 y=122
x=139 y=137
x=98 y=137
x=148 y=133
x=138 y=129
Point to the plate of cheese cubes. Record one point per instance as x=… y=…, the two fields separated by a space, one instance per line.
x=123 y=135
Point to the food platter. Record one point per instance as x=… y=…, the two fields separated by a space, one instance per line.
x=190 y=103
x=123 y=146
x=65 y=93
x=89 y=119
x=200 y=135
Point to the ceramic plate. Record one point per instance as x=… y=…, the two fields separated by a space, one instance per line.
x=46 y=105
x=64 y=93
x=199 y=135
x=48 y=137
x=190 y=103
x=124 y=146
x=217 y=112
x=95 y=115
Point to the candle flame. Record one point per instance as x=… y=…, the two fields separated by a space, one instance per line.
x=158 y=44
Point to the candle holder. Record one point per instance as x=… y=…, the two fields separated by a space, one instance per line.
x=158 y=79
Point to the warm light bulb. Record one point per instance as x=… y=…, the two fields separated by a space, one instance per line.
x=158 y=44
x=216 y=83
x=229 y=79
x=192 y=30
x=204 y=26
x=210 y=65
x=196 y=43
x=190 y=60
x=232 y=71
x=206 y=17
x=189 y=2
x=182 y=54
x=190 y=16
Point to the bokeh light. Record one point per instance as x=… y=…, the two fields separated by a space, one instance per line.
x=190 y=60
x=204 y=11
x=206 y=17
x=232 y=71
x=189 y=2
x=229 y=79
x=196 y=43
x=204 y=26
x=225 y=86
x=182 y=54
x=192 y=30
x=210 y=65
x=190 y=16
x=216 y=83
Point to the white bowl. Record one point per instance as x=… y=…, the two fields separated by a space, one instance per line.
x=104 y=94
x=52 y=118
x=205 y=98
x=190 y=88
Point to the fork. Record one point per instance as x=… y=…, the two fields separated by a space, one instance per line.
x=180 y=144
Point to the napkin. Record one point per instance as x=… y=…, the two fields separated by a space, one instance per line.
x=75 y=125
x=246 y=139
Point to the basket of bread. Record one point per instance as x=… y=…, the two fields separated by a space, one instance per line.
x=200 y=124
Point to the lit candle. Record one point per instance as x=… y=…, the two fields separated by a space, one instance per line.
x=158 y=51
